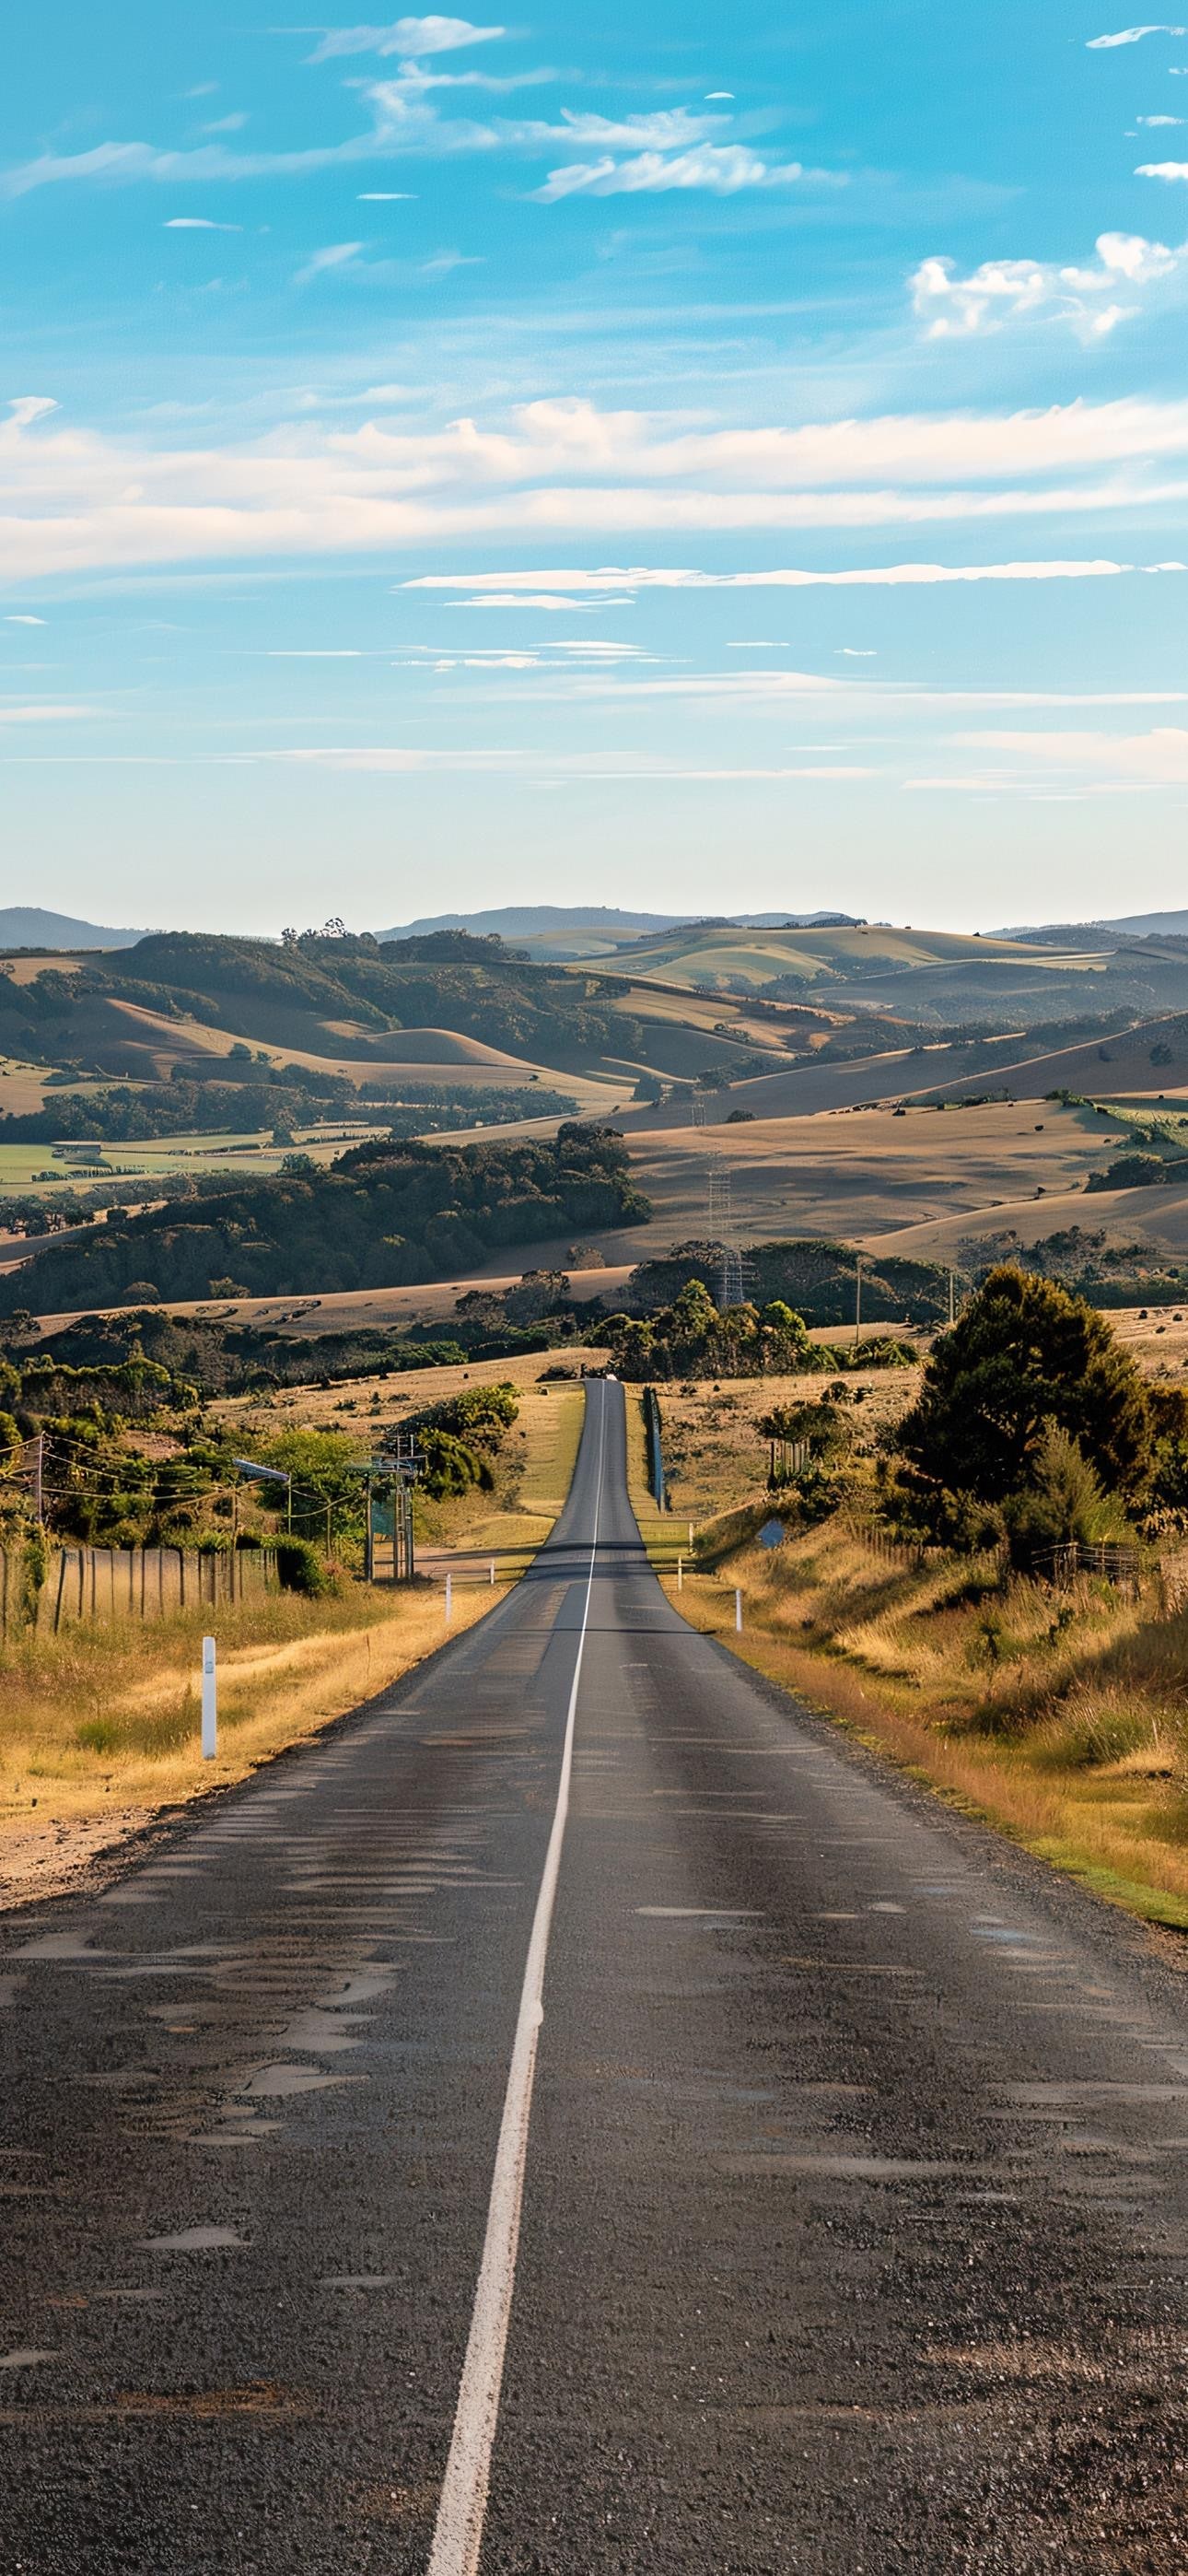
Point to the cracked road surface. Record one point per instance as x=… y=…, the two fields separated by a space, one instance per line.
x=851 y=2233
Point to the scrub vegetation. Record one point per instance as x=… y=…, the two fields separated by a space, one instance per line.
x=989 y=1582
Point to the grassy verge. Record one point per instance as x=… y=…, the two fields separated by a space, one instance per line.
x=99 y=1727
x=1061 y=1719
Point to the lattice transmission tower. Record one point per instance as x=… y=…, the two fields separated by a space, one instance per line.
x=721 y=1229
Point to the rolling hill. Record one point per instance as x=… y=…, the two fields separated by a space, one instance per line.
x=932 y=979
x=27 y=926
x=576 y=930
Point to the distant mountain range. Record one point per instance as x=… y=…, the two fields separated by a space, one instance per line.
x=26 y=926
x=1133 y=925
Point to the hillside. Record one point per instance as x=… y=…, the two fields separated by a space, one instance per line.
x=383 y=1216
x=927 y=977
x=27 y=926
x=180 y=998
x=574 y=931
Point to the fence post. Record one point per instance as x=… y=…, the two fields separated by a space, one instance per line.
x=210 y=1701
x=680 y=1574
x=449 y=1598
x=738 y=1609
x=492 y=1573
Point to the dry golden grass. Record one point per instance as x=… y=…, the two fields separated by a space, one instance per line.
x=1062 y=1719
x=714 y=1457
x=99 y=1727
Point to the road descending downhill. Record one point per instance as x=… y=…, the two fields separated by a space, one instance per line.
x=583 y=2116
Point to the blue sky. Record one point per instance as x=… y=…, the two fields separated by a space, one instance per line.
x=691 y=457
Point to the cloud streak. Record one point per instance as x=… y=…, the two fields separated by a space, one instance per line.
x=723 y=169
x=72 y=500
x=1130 y=36
x=415 y=38
x=570 y=585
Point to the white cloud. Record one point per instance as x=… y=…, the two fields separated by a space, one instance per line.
x=228 y=124
x=197 y=224
x=1158 y=758
x=883 y=576
x=404 y=122
x=336 y=255
x=72 y=499
x=23 y=410
x=41 y=714
x=1162 y=170
x=722 y=168
x=1159 y=120
x=401 y=761
x=385 y=197
x=415 y=37
x=1130 y=36
x=13 y=620
x=1010 y=290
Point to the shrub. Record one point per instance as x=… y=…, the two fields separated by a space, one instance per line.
x=301 y=1569
x=451 y=1466
x=1063 y=1501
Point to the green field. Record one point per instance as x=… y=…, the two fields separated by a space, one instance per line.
x=45 y=1168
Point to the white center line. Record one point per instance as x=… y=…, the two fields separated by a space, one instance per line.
x=458 y=2538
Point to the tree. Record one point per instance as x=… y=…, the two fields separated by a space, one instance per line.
x=1064 y=1502
x=1026 y=1353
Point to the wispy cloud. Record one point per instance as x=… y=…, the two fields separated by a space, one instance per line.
x=570 y=585
x=400 y=760
x=414 y=37
x=1012 y=290
x=42 y=714
x=73 y=499
x=1130 y=36
x=197 y=224
x=335 y=255
x=1162 y=170
x=1159 y=757
x=721 y=168
x=672 y=148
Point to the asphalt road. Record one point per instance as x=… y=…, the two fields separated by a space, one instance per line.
x=848 y=2233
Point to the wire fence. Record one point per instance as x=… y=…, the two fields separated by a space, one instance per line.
x=89 y=1585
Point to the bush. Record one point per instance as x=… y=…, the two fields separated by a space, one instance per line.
x=301 y=1569
x=34 y=1569
x=451 y=1466
x=1062 y=1502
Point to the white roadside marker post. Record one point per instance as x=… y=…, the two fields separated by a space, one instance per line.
x=449 y=1599
x=680 y=1574
x=210 y=1701
x=492 y=1574
x=738 y=1609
